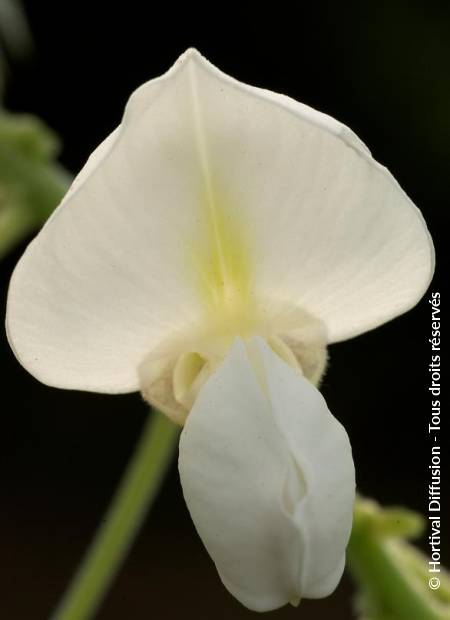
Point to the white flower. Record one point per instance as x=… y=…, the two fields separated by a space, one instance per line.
x=207 y=253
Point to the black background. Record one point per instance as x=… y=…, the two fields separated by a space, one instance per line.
x=381 y=68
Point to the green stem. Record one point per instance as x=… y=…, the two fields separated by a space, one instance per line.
x=136 y=492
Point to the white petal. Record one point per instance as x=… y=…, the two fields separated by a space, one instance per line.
x=321 y=450
x=111 y=274
x=268 y=478
x=332 y=230
x=105 y=279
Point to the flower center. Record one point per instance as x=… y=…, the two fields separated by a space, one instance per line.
x=191 y=371
x=173 y=374
x=219 y=258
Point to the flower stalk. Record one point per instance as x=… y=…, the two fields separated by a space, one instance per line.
x=136 y=493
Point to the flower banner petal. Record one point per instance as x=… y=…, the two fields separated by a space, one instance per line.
x=105 y=280
x=210 y=183
x=331 y=229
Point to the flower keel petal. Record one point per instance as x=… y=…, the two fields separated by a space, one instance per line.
x=250 y=491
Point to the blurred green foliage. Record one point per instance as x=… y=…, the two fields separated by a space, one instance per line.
x=31 y=181
x=391 y=574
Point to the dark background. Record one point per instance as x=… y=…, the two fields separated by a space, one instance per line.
x=381 y=68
